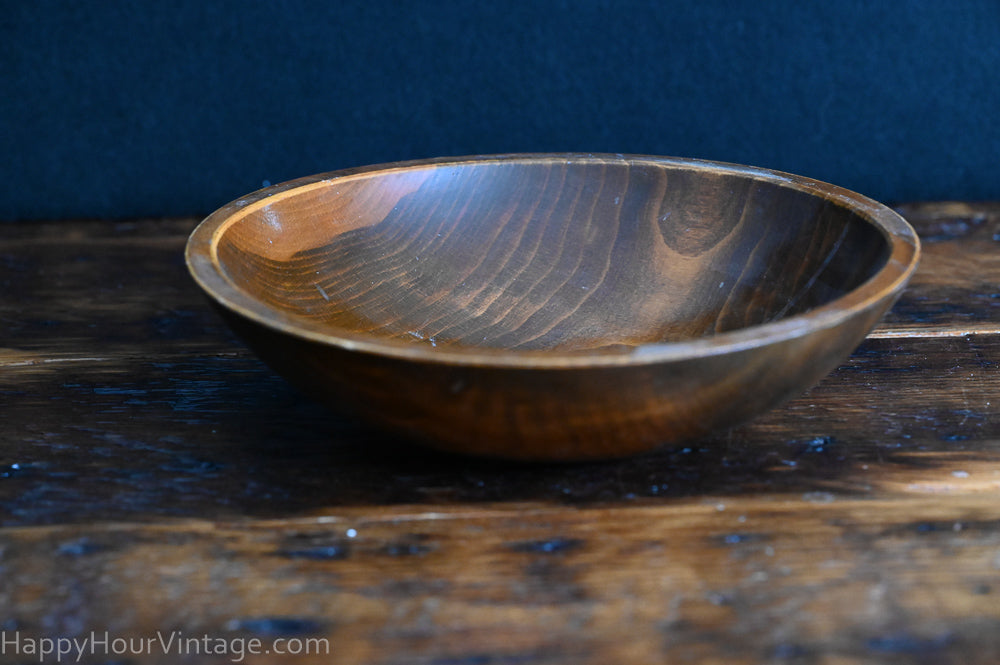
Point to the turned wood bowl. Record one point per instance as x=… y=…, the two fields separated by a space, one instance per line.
x=553 y=307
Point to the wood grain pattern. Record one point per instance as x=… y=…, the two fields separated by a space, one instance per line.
x=550 y=256
x=553 y=307
x=154 y=475
x=718 y=582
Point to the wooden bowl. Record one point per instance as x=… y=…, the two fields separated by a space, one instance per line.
x=553 y=306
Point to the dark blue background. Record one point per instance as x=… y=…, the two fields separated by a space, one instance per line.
x=115 y=109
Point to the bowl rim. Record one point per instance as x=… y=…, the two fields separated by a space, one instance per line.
x=203 y=264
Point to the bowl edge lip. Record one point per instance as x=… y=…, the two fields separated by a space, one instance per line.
x=882 y=287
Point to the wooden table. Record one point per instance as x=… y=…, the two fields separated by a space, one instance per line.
x=156 y=480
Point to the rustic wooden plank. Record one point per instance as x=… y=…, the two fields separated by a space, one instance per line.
x=154 y=476
x=956 y=289
x=107 y=290
x=222 y=436
x=746 y=581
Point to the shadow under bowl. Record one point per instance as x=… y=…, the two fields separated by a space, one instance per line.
x=555 y=306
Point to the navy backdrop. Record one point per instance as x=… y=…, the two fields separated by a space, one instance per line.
x=119 y=109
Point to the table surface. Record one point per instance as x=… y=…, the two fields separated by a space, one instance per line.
x=157 y=479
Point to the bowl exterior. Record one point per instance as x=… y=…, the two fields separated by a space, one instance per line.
x=550 y=414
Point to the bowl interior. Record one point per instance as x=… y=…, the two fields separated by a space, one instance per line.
x=556 y=254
